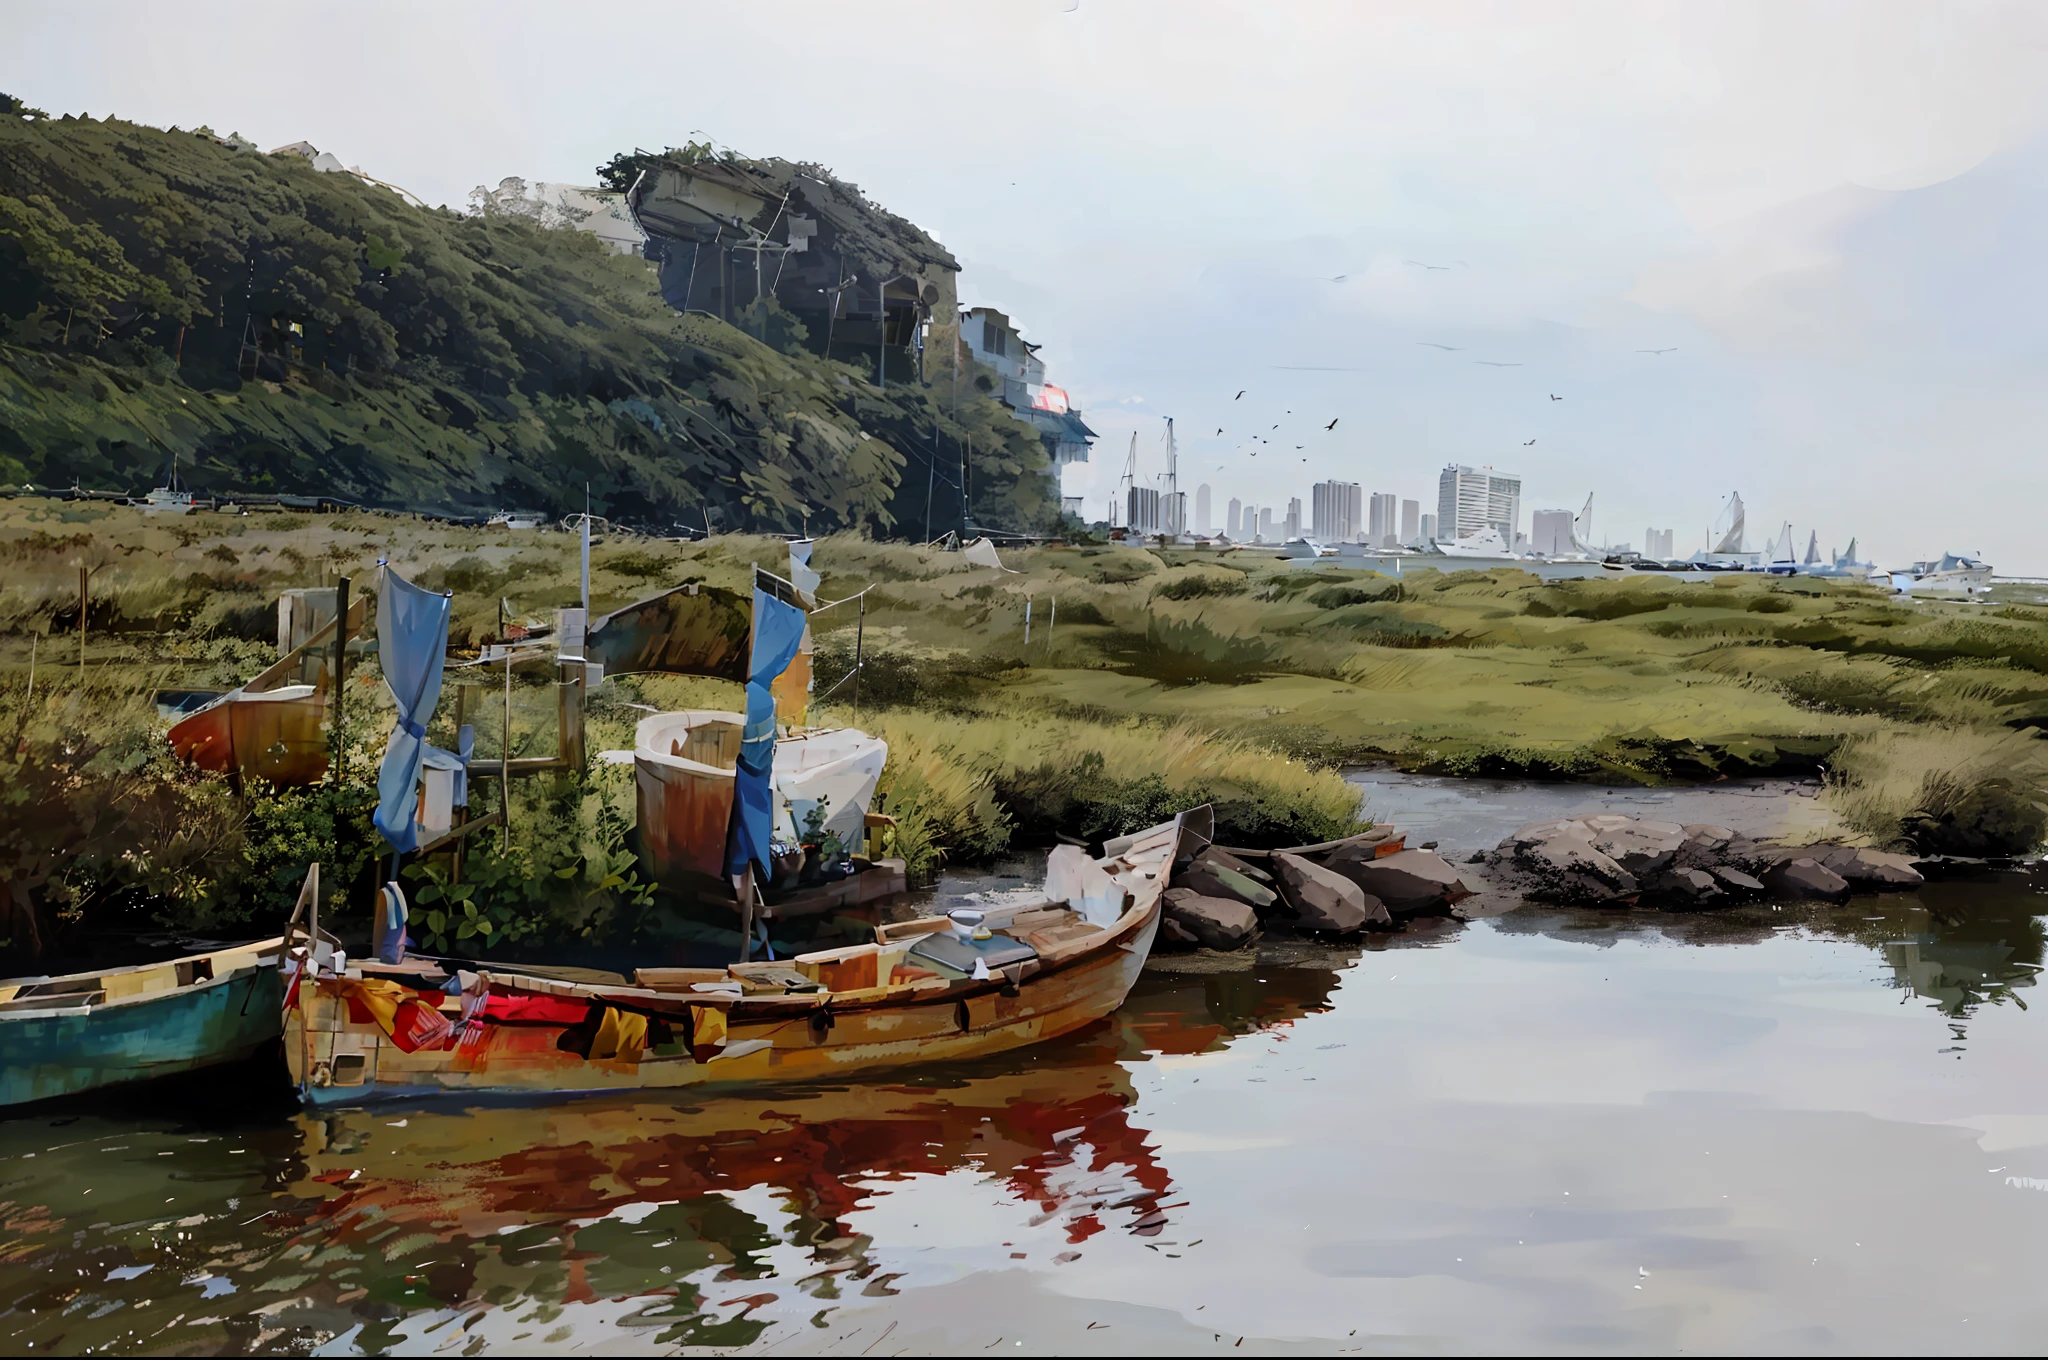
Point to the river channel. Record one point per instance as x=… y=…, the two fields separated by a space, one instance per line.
x=1794 y=1129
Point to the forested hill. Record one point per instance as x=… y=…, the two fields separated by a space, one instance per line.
x=427 y=359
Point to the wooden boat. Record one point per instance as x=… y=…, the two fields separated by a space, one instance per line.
x=60 y=1036
x=415 y=1029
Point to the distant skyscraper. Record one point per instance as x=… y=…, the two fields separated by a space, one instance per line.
x=1470 y=499
x=1266 y=523
x=1657 y=543
x=1294 y=517
x=1142 y=513
x=1234 y=518
x=1173 y=512
x=1202 y=508
x=1334 y=512
x=1411 y=521
x=1550 y=532
x=1428 y=528
x=1380 y=519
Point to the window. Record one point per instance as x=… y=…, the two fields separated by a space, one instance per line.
x=992 y=338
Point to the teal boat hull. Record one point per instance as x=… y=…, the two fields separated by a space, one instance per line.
x=194 y=1027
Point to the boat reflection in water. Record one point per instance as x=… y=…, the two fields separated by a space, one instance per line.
x=683 y=1217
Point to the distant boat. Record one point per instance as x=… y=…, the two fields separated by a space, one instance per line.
x=1306 y=548
x=170 y=499
x=512 y=519
x=1486 y=542
x=1951 y=573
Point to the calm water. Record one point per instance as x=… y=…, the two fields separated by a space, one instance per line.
x=1772 y=1130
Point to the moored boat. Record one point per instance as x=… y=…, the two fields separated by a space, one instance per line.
x=926 y=990
x=62 y=1036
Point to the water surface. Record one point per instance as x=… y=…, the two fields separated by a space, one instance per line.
x=1809 y=1130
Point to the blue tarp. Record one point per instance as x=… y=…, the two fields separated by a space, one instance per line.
x=778 y=631
x=412 y=644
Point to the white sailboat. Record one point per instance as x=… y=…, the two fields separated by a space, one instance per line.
x=170 y=499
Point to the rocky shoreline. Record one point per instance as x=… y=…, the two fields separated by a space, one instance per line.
x=1224 y=899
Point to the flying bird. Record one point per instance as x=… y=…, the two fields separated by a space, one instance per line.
x=1672 y=350
x=1451 y=349
x=1495 y=363
x=1555 y=397
x=1219 y=429
x=1527 y=442
x=1240 y=394
x=1420 y=265
x=1333 y=424
x=1338 y=279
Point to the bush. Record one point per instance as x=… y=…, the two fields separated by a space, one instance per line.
x=1199 y=587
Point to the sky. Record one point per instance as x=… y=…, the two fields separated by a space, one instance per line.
x=1820 y=211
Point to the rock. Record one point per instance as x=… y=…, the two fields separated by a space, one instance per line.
x=1735 y=880
x=1690 y=887
x=1224 y=859
x=1534 y=833
x=1409 y=882
x=1173 y=936
x=1569 y=869
x=1866 y=868
x=1641 y=847
x=1216 y=922
x=1214 y=880
x=1805 y=878
x=1709 y=837
x=1324 y=900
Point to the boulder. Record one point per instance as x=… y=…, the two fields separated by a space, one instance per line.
x=1567 y=868
x=1735 y=880
x=1535 y=833
x=1324 y=900
x=1409 y=882
x=1641 y=847
x=1805 y=878
x=1708 y=837
x=1214 y=880
x=1866 y=868
x=1224 y=859
x=1216 y=922
x=1689 y=887
x=1173 y=936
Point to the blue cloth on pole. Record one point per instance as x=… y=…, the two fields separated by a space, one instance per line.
x=412 y=645
x=778 y=631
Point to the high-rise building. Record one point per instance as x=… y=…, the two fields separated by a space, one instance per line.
x=1173 y=513
x=1293 y=525
x=1550 y=532
x=1202 y=509
x=1142 y=511
x=1266 y=523
x=1428 y=528
x=1380 y=519
x=1411 y=522
x=1233 y=519
x=1334 y=512
x=1657 y=543
x=1471 y=499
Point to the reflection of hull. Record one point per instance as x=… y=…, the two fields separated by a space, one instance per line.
x=528 y=1035
x=62 y=1036
x=274 y=735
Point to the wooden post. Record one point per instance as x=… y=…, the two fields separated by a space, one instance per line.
x=747 y=895
x=505 y=762
x=859 y=633
x=310 y=975
x=340 y=673
x=82 y=577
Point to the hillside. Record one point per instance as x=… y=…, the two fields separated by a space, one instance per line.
x=283 y=330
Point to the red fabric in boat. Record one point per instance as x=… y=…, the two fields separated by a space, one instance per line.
x=527 y=1008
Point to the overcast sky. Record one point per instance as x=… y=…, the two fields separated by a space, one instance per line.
x=1831 y=214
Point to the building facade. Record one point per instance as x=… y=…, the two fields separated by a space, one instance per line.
x=1233 y=519
x=1470 y=499
x=1334 y=511
x=1293 y=525
x=1203 y=524
x=1141 y=510
x=992 y=340
x=1428 y=534
x=1657 y=542
x=1411 y=523
x=1266 y=523
x=1550 y=532
x=1381 y=519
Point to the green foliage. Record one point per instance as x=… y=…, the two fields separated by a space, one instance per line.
x=1198 y=587
x=422 y=358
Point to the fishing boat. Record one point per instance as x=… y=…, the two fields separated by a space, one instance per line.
x=171 y=498
x=933 y=989
x=62 y=1036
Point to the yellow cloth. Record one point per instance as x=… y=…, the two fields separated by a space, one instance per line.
x=621 y=1035
x=380 y=998
x=707 y=1029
